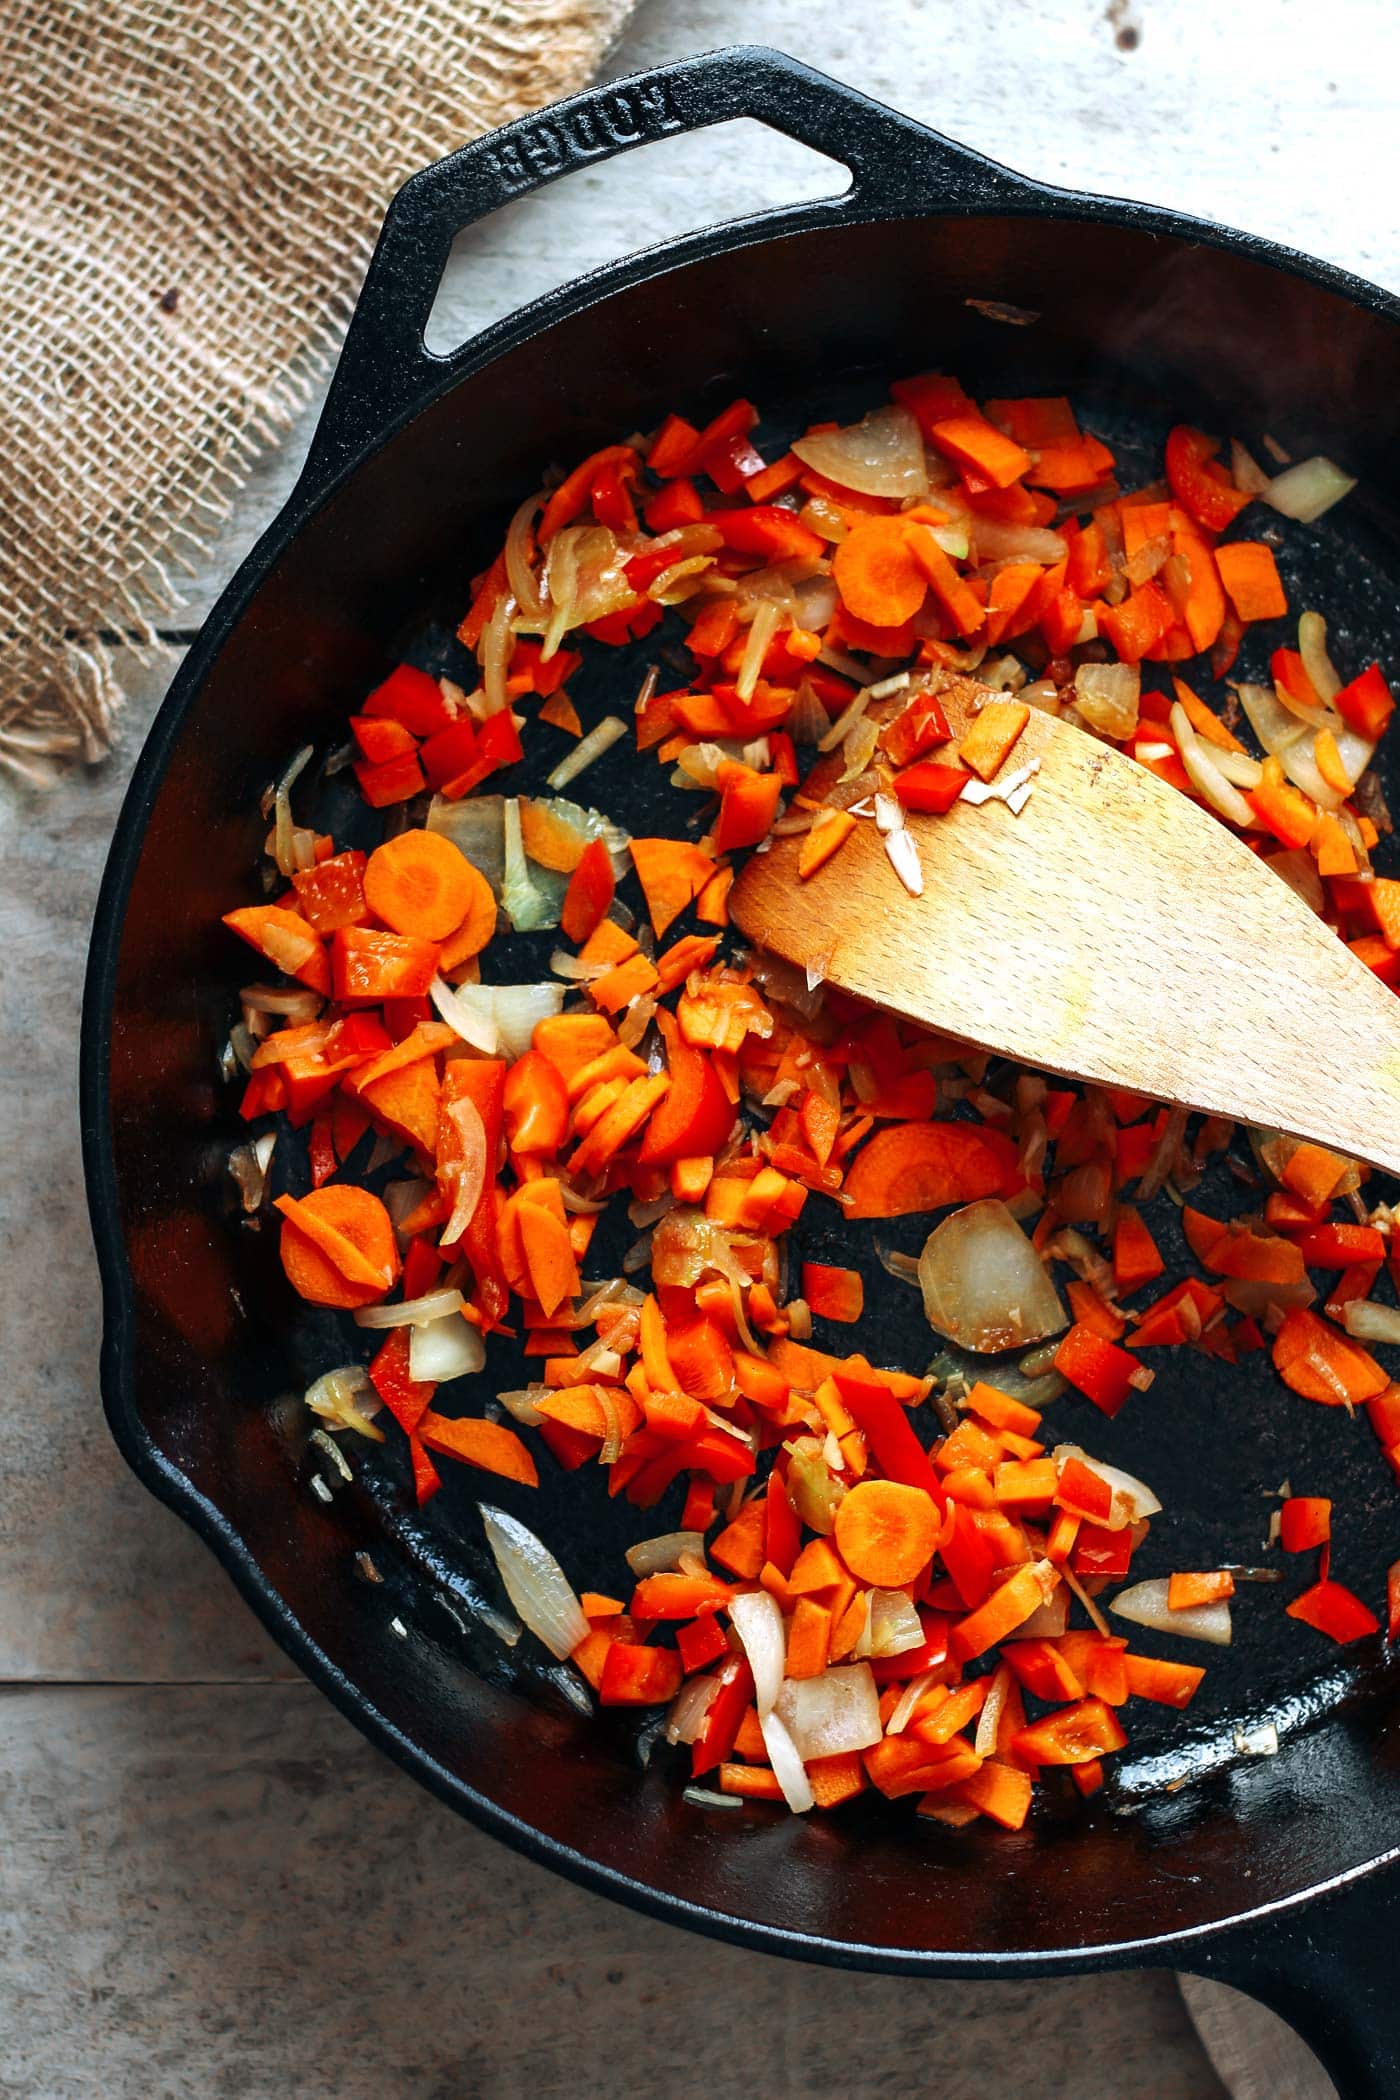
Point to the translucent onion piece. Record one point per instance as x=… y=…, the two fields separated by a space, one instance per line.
x=993 y=1707
x=528 y=906
x=1145 y=1604
x=984 y=1285
x=466 y=1175
x=1245 y=470
x=1312 y=647
x=598 y=740
x=1370 y=1322
x=659 y=1556
x=248 y=1164
x=892 y=1625
x=476 y=826
x=909 y=1698
x=493 y=654
x=519 y=574
x=1107 y=696
x=346 y=1398
x=758 y=1622
x=808 y=720
x=413 y=1312
x=1304 y=492
x=516 y=1008
x=858 y=749
x=762 y=629
x=787 y=1766
x=1205 y=774
x=836 y=1712
x=882 y=455
x=998 y=542
x=1290 y=741
x=585 y=578
x=1048 y=1621
x=521 y=1404
x=1133 y=1499
x=688 y=1710
x=535 y=1583
x=902 y=851
x=284 y=848
x=445 y=1349
x=845 y=721
x=471 y=1017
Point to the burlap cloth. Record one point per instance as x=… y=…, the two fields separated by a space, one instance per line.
x=189 y=191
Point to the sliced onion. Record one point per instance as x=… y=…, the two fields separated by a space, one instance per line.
x=762 y=628
x=1048 y=1621
x=476 y=826
x=445 y=1349
x=294 y=1002
x=412 y=1312
x=346 y=1398
x=1312 y=647
x=758 y=1622
x=1370 y=1322
x=833 y=1713
x=520 y=1404
x=688 y=1710
x=882 y=455
x=248 y=1164
x=511 y=1009
x=892 y=1625
x=903 y=1711
x=529 y=907
x=1107 y=696
x=998 y=542
x=471 y=1016
x=1145 y=1604
x=1206 y=776
x=659 y=1555
x=1245 y=470
x=493 y=655
x=984 y=1285
x=788 y=1768
x=599 y=739
x=535 y=1583
x=993 y=1707
x=808 y=721
x=1304 y=492
x=283 y=831
x=1133 y=1499
x=519 y=574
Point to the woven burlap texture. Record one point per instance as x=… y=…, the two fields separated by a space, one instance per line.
x=191 y=190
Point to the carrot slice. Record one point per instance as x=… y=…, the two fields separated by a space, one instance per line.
x=421 y=884
x=337 y=1246
x=886 y=1532
x=1323 y=1365
x=923 y=1166
x=1250 y=576
x=989 y=742
x=878 y=574
x=672 y=872
x=488 y=1445
x=830 y=830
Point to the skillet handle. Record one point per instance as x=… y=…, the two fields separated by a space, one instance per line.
x=1329 y=1970
x=385 y=371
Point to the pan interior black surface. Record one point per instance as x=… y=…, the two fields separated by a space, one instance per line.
x=1143 y=328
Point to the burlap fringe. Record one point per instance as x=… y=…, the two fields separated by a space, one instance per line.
x=193 y=190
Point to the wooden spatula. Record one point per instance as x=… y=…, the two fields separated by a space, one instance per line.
x=1114 y=931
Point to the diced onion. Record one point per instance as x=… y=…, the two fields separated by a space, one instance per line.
x=519 y=574
x=902 y=850
x=984 y=1285
x=412 y=1312
x=1145 y=1604
x=535 y=1583
x=1304 y=492
x=1312 y=647
x=762 y=629
x=284 y=843
x=346 y=1398
x=529 y=906
x=445 y=1349
x=788 y=1768
x=892 y=1625
x=993 y=1707
x=903 y=1710
x=759 y=1624
x=248 y=1164
x=998 y=542
x=1205 y=774
x=834 y=1713
x=659 y=1555
x=882 y=455
x=1107 y=696
x=1048 y=1621
x=599 y=739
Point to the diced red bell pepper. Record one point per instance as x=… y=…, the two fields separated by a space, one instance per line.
x=381 y=738
x=1095 y=1367
x=1198 y=484
x=678 y=504
x=497 y=744
x=721 y=1724
x=1334 y=1610
x=399 y=780
x=637 y=1676
x=703 y=1641
x=1305 y=1521
x=884 y=1424
x=768 y=530
x=1100 y=1552
x=1366 y=705
x=412 y=697
x=368 y=965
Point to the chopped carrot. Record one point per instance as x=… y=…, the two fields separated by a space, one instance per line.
x=830 y=830
x=923 y=1166
x=672 y=875
x=886 y=1532
x=1184 y=1592
x=490 y=1446
x=833 y=1294
x=1250 y=576
x=338 y=1246
x=989 y=742
x=421 y=884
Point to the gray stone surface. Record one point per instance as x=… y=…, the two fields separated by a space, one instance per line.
x=210 y=1886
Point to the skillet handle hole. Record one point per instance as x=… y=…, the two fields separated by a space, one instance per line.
x=657 y=193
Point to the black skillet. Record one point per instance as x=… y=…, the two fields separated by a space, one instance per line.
x=1259 y=1870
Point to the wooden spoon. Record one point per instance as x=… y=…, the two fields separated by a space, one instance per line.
x=1115 y=931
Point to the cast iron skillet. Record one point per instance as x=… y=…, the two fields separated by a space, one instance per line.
x=1197 y=1857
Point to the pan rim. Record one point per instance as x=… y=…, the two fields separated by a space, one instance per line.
x=119 y=1367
